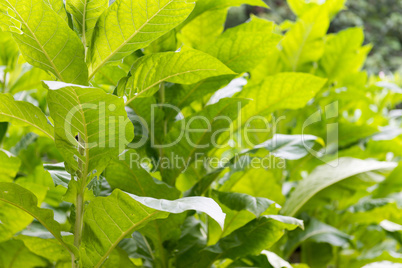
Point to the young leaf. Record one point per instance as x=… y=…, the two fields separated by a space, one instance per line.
x=185 y=67
x=45 y=40
x=109 y=219
x=26 y=201
x=98 y=118
x=326 y=175
x=86 y=14
x=128 y=25
x=24 y=114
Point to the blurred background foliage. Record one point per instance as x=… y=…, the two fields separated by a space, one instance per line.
x=381 y=21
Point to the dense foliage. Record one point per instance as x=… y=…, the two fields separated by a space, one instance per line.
x=381 y=21
x=143 y=134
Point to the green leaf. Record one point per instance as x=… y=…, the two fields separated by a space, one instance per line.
x=186 y=67
x=47 y=248
x=317 y=232
x=213 y=5
x=250 y=239
x=344 y=53
x=58 y=7
x=391 y=184
x=201 y=141
x=86 y=14
x=14 y=254
x=129 y=176
x=9 y=166
x=204 y=29
x=129 y=25
x=238 y=202
x=97 y=117
x=45 y=40
x=281 y=91
x=23 y=113
x=304 y=43
x=326 y=175
x=290 y=147
x=108 y=220
x=26 y=201
x=243 y=47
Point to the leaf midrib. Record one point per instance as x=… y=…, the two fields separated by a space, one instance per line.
x=58 y=237
x=127 y=40
x=124 y=234
x=37 y=41
x=164 y=79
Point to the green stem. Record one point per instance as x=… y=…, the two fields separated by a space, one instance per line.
x=80 y=202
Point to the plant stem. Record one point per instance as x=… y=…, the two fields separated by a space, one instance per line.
x=80 y=202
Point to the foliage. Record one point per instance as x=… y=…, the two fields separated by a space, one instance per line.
x=91 y=90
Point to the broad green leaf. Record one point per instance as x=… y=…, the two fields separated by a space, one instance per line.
x=14 y=254
x=58 y=7
x=391 y=184
x=304 y=43
x=86 y=14
x=187 y=67
x=238 y=202
x=290 y=147
x=201 y=141
x=329 y=174
x=109 y=75
x=97 y=117
x=129 y=176
x=9 y=166
x=109 y=219
x=45 y=40
x=344 y=53
x=47 y=248
x=250 y=239
x=252 y=181
x=32 y=79
x=24 y=113
x=317 y=232
x=204 y=29
x=243 y=47
x=280 y=91
x=239 y=209
x=26 y=201
x=129 y=25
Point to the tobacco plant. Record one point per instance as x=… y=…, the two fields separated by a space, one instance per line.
x=136 y=133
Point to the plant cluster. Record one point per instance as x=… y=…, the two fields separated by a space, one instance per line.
x=141 y=133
